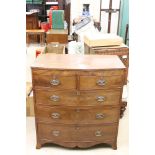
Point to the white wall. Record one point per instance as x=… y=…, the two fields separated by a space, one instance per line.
x=77 y=6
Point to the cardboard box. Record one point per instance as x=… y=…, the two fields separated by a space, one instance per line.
x=55 y=48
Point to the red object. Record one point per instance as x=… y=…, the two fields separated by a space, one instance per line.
x=50 y=18
x=54 y=7
x=50 y=14
x=45 y=26
x=38 y=52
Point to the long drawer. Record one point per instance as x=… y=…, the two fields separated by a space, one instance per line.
x=80 y=115
x=68 y=133
x=73 y=98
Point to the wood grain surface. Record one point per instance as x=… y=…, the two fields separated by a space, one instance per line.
x=77 y=99
x=78 y=62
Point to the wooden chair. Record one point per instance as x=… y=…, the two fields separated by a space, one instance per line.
x=38 y=32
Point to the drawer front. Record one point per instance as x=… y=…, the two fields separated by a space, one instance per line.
x=54 y=80
x=81 y=115
x=100 y=97
x=50 y=98
x=98 y=82
x=74 y=98
x=77 y=133
x=61 y=38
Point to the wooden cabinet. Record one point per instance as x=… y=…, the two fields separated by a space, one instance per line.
x=57 y=35
x=77 y=99
x=32 y=21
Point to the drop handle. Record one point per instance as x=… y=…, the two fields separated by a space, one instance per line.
x=55 y=82
x=98 y=133
x=100 y=82
x=100 y=98
x=54 y=98
x=99 y=116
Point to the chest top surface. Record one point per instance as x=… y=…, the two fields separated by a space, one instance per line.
x=77 y=62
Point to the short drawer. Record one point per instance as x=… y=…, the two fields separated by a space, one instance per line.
x=100 y=97
x=98 y=82
x=68 y=133
x=50 y=98
x=81 y=115
x=54 y=80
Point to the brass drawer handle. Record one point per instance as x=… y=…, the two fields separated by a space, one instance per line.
x=101 y=82
x=55 y=115
x=56 y=133
x=100 y=98
x=99 y=116
x=54 y=98
x=55 y=82
x=98 y=133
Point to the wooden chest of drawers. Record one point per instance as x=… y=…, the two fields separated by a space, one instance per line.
x=77 y=99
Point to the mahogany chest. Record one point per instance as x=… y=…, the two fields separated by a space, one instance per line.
x=77 y=99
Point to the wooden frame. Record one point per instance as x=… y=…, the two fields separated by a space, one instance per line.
x=110 y=11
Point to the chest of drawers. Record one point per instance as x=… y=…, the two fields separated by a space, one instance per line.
x=77 y=99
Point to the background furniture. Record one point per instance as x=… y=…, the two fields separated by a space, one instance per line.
x=32 y=23
x=39 y=32
x=110 y=13
x=77 y=99
x=44 y=5
x=57 y=35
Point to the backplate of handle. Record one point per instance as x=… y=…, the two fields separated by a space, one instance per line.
x=99 y=116
x=100 y=98
x=100 y=82
x=55 y=82
x=56 y=133
x=54 y=98
x=55 y=115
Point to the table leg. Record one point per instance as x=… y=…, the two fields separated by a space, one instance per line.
x=27 y=38
x=43 y=35
x=41 y=39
